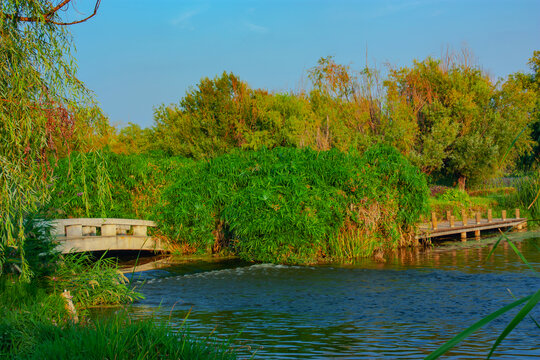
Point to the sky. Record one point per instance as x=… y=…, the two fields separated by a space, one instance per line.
x=136 y=55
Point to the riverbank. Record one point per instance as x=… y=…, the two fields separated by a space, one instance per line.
x=35 y=324
x=47 y=317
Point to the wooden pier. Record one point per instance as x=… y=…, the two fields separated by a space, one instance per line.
x=476 y=224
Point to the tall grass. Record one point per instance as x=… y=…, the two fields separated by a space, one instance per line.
x=104 y=184
x=35 y=324
x=120 y=338
x=296 y=206
x=528 y=193
x=93 y=282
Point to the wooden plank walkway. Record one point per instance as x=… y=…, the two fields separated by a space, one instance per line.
x=451 y=227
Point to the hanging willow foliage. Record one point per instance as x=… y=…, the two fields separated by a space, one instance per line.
x=38 y=90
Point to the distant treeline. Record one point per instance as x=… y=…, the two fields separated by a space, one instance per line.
x=446 y=116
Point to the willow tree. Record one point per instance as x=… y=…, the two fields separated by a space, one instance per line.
x=38 y=92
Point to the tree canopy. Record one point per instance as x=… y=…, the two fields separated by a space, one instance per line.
x=447 y=116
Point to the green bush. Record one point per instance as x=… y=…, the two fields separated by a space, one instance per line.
x=456 y=195
x=295 y=206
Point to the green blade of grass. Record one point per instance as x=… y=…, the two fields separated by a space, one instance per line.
x=516 y=250
x=477 y=325
x=530 y=316
x=496 y=244
x=533 y=300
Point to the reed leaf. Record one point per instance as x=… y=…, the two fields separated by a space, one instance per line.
x=477 y=325
x=531 y=303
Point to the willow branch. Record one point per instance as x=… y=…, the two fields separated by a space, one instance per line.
x=48 y=17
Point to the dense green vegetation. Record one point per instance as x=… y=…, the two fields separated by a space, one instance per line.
x=280 y=205
x=290 y=205
x=35 y=324
x=105 y=184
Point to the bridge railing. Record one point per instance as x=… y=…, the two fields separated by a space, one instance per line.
x=82 y=227
x=86 y=234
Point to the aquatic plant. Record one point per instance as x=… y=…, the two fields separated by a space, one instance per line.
x=92 y=282
x=293 y=206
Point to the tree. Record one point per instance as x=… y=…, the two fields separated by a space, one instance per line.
x=38 y=94
x=466 y=123
x=531 y=82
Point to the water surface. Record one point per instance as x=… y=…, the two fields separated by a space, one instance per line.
x=403 y=308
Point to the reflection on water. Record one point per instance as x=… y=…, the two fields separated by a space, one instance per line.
x=403 y=308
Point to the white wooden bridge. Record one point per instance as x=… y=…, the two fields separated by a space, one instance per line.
x=84 y=234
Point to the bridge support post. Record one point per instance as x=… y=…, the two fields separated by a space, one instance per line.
x=74 y=230
x=452 y=221
x=490 y=215
x=108 y=230
x=139 y=230
x=464 y=236
x=88 y=230
x=520 y=226
x=477 y=234
x=464 y=217
x=503 y=214
x=434 y=220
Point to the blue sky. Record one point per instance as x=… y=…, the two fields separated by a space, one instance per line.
x=136 y=54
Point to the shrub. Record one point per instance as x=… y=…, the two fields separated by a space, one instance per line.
x=456 y=195
x=290 y=205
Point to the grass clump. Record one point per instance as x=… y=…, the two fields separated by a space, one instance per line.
x=528 y=194
x=35 y=324
x=295 y=206
x=93 y=282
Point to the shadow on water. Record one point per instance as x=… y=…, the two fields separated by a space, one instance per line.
x=403 y=308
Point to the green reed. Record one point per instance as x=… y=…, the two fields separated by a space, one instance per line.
x=295 y=206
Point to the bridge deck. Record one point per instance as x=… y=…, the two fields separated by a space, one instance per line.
x=444 y=229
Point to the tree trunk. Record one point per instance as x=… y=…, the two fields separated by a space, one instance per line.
x=461 y=182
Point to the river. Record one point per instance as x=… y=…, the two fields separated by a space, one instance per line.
x=403 y=308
